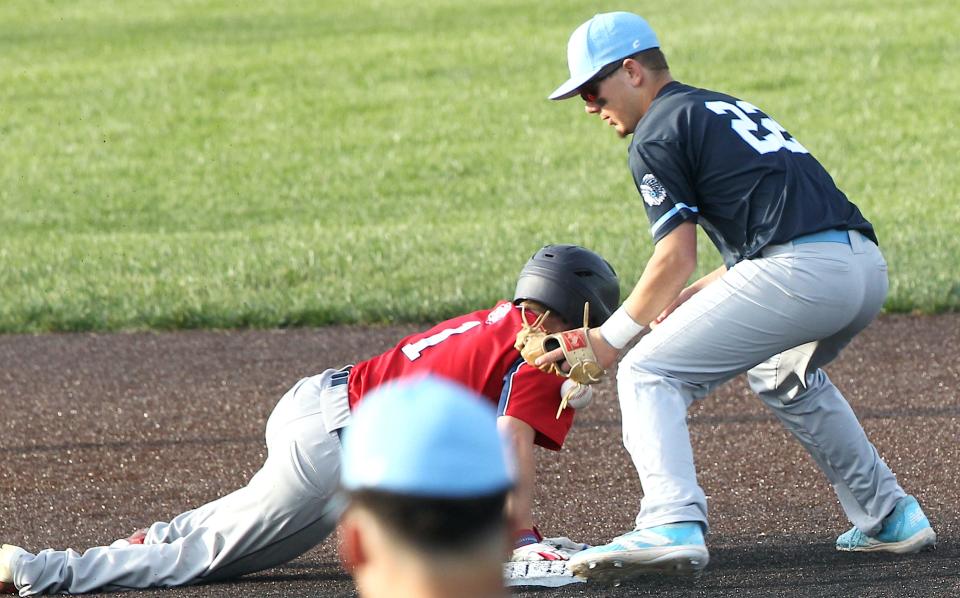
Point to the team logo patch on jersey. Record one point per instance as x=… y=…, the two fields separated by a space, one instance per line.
x=499 y=313
x=652 y=190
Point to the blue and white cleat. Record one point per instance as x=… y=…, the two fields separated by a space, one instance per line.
x=905 y=530
x=674 y=548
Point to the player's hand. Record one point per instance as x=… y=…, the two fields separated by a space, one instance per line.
x=537 y=552
x=605 y=353
x=548 y=549
x=684 y=295
x=565 y=545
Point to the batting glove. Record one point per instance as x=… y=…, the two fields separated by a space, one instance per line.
x=532 y=546
x=538 y=552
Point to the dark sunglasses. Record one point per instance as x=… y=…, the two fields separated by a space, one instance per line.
x=590 y=91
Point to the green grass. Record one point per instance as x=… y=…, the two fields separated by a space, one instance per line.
x=223 y=164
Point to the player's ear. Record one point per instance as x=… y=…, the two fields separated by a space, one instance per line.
x=635 y=71
x=351 y=549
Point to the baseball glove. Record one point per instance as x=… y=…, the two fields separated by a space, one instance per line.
x=533 y=341
x=530 y=342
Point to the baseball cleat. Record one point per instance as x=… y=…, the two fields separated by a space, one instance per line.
x=672 y=549
x=905 y=530
x=9 y=554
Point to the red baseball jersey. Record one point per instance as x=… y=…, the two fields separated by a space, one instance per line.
x=477 y=351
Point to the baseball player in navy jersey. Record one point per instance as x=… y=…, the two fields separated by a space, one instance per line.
x=802 y=275
x=292 y=503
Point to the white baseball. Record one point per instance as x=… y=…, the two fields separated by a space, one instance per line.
x=581 y=397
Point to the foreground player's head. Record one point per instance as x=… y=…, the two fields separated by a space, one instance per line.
x=616 y=67
x=562 y=278
x=427 y=478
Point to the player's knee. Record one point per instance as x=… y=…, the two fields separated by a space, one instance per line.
x=761 y=380
x=773 y=389
x=637 y=364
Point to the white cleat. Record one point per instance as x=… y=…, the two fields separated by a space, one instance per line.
x=672 y=549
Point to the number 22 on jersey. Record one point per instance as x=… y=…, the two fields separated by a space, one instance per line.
x=748 y=129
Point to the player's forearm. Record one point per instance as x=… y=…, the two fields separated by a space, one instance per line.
x=664 y=277
x=520 y=502
x=674 y=260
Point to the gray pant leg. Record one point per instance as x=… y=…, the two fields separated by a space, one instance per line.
x=700 y=346
x=808 y=404
x=822 y=420
x=656 y=436
x=104 y=568
x=289 y=506
x=197 y=557
x=303 y=400
x=760 y=308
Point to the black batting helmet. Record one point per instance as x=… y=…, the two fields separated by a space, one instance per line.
x=564 y=277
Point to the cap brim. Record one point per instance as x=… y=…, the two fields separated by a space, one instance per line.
x=572 y=86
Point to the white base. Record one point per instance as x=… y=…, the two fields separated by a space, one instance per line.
x=550 y=574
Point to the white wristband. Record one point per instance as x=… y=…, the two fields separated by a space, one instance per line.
x=620 y=329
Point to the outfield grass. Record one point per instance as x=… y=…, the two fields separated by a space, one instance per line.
x=222 y=164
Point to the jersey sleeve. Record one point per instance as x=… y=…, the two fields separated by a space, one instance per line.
x=664 y=185
x=533 y=397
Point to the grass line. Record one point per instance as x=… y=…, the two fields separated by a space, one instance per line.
x=229 y=164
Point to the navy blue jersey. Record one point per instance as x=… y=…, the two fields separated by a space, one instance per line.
x=708 y=157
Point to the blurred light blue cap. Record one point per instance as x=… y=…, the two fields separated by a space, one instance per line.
x=425 y=436
x=598 y=42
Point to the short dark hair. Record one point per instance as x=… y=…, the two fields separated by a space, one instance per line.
x=651 y=59
x=435 y=524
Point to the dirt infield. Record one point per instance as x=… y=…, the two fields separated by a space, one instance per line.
x=103 y=434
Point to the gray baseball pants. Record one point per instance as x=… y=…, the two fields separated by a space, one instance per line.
x=779 y=318
x=290 y=505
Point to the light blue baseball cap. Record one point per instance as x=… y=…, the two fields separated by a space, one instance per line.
x=598 y=42
x=425 y=436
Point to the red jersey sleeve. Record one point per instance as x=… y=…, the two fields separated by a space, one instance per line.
x=533 y=397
